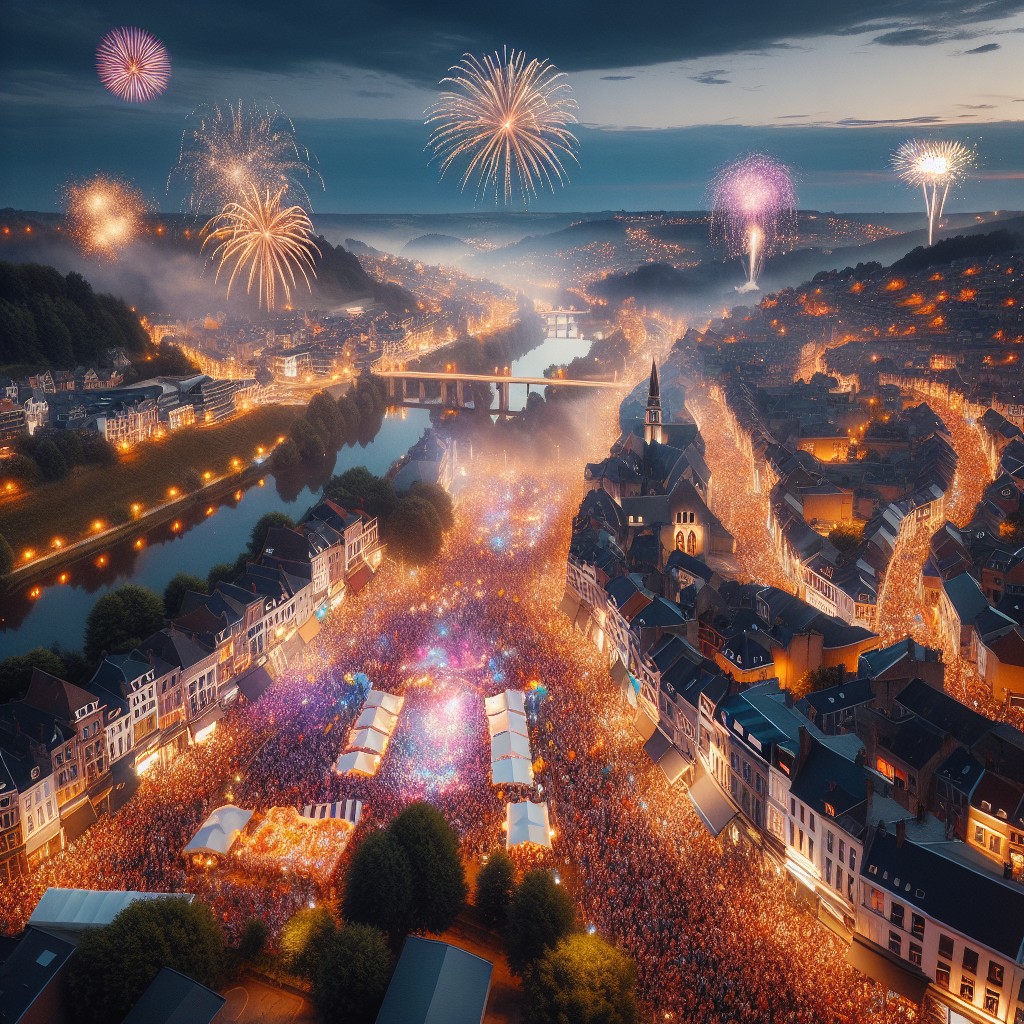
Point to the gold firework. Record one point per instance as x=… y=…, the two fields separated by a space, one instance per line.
x=271 y=241
x=103 y=214
x=936 y=167
x=510 y=119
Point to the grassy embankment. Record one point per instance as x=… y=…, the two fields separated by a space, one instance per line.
x=70 y=509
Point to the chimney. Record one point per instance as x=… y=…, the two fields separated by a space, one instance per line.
x=804 y=752
x=869 y=793
x=901 y=832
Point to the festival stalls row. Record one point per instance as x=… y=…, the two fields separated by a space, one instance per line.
x=370 y=735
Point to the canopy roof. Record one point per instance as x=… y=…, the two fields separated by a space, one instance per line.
x=376 y=718
x=528 y=823
x=218 y=833
x=509 y=744
x=713 y=807
x=367 y=739
x=74 y=909
x=512 y=771
x=387 y=701
x=509 y=700
x=357 y=762
x=507 y=721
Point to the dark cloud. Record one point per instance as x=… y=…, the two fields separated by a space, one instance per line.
x=977 y=106
x=711 y=77
x=790 y=117
x=419 y=39
x=617 y=78
x=984 y=48
x=856 y=122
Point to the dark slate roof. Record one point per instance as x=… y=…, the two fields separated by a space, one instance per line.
x=835 y=698
x=173 y=998
x=965 y=596
x=59 y=698
x=827 y=777
x=27 y=972
x=659 y=613
x=689 y=564
x=1000 y=798
x=960 y=770
x=914 y=742
x=116 y=672
x=176 y=647
x=944 y=712
x=873 y=663
x=949 y=891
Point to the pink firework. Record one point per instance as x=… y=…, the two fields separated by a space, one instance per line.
x=753 y=211
x=133 y=64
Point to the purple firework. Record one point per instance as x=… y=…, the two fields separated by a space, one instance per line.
x=753 y=210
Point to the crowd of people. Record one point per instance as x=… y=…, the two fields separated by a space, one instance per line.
x=715 y=932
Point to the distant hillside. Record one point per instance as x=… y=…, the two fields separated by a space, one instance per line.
x=960 y=247
x=436 y=249
x=60 y=321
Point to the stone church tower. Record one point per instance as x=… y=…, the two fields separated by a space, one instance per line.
x=652 y=417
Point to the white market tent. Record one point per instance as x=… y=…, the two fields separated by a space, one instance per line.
x=387 y=701
x=376 y=718
x=341 y=810
x=367 y=739
x=357 y=762
x=527 y=822
x=73 y=910
x=219 y=832
x=507 y=721
x=512 y=771
x=509 y=744
x=510 y=700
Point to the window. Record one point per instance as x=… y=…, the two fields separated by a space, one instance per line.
x=801 y=814
x=896 y=914
x=878 y=901
x=946 y=946
x=842 y=850
x=915 y=954
x=829 y=840
x=792 y=806
x=970 y=960
x=995 y=973
x=810 y=824
x=792 y=835
x=853 y=859
x=1018 y=1017
x=810 y=848
x=828 y=871
x=839 y=879
x=979 y=835
x=895 y=943
x=967 y=988
x=917 y=926
x=942 y=974
x=995 y=841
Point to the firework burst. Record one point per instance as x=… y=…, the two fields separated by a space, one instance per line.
x=936 y=167
x=272 y=242
x=133 y=64
x=103 y=214
x=226 y=150
x=753 y=211
x=510 y=119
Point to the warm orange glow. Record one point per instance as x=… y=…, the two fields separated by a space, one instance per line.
x=28 y=554
x=176 y=526
x=102 y=561
x=97 y=525
x=207 y=475
x=35 y=592
x=138 y=544
x=172 y=492
x=63 y=577
x=966 y=294
x=935 y=277
x=1009 y=301
x=895 y=285
x=56 y=543
x=136 y=508
x=972 y=271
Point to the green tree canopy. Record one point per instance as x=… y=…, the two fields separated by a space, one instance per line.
x=494 y=884
x=253 y=939
x=310 y=443
x=179 y=586
x=122 y=619
x=378 y=885
x=439 y=498
x=323 y=413
x=114 y=965
x=258 y=536
x=222 y=572
x=16 y=671
x=438 y=877
x=583 y=980
x=540 y=915
x=413 y=531
x=304 y=938
x=352 y=975
x=358 y=488
x=287 y=455
x=50 y=460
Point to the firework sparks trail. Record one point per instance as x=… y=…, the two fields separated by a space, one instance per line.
x=133 y=64
x=753 y=211
x=510 y=118
x=271 y=241
x=227 y=149
x=103 y=214
x=936 y=167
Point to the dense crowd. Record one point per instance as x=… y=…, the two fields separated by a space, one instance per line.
x=715 y=932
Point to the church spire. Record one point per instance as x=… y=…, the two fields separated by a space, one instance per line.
x=652 y=416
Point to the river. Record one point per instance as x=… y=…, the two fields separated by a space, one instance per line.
x=211 y=532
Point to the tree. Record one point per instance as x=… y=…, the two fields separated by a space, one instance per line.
x=1011 y=529
x=180 y=585
x=20 y=467
x=323 y=413
x=16 y=671
x=820 y=678
x=845 y=539
x=222 y=572
x=114 y=965
x=308 y=440
x=191 y=481
x=352 y=975
x=438 y=877
x=258 y=536
x=253 y=939
x=286 y=455
x=378 y=885
x=52 y=464
x=303 y=939
x=439 y=498
x=413 y=531
x=494 y=885
x=540 y=915
x=350 y=415
x=359 y=488
x=6 y=557
x=583 y=980
x=121 y=619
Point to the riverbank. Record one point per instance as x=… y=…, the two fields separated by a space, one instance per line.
x=52 y=523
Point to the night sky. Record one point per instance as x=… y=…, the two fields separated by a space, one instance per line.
x=668 y=91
